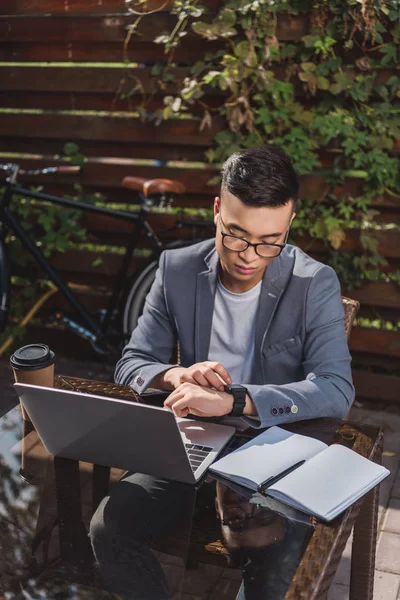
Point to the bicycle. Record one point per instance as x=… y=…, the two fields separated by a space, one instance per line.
x=128 y=295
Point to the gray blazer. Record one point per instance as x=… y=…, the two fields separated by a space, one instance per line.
x=301 y=355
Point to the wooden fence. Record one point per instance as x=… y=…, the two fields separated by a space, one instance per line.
x=49 y=95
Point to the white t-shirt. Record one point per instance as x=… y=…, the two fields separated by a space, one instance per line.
x=233 y=331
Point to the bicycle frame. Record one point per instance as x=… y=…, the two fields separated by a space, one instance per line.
x=94 y=332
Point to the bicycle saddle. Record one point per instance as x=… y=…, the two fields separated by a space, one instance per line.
x=153 y=186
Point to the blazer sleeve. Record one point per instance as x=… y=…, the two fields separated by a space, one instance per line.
x=152 y=342
x=327 y=389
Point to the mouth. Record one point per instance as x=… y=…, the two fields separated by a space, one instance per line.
x=245 y=270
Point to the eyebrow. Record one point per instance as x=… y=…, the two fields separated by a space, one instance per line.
x=267 y=235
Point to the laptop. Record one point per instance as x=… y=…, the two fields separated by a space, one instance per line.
x=119 y=433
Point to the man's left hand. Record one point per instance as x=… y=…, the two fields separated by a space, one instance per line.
x=197 y=400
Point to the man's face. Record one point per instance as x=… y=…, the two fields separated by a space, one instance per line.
x=240 y=271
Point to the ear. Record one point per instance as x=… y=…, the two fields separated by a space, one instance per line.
x=217 y=206
x=291 y=220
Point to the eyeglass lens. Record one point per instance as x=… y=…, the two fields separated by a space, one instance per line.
x=239 y=245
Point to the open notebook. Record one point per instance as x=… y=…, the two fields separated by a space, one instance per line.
x=301 y=471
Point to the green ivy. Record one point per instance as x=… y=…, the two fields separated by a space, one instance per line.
x=324 y=99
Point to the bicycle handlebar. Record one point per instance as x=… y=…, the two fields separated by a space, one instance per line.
x=14 y=169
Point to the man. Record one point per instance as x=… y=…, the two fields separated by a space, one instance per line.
x=247 y=309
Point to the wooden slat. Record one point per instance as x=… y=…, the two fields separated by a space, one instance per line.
x=65 y=7
x=139 y=51
x=86 y=7
x=79 y=261
x=111 y=80
x=377 y=293
x=99 y=102
x=376 y=386
x=102 y=149
x=70 y=29
x=375 y=341
x=84 y=80
x=389 y=242
x=379 y=312
x=100 y=29
x=129 y=130
x=367 y=360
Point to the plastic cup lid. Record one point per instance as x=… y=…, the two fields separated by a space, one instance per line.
x=33 y=356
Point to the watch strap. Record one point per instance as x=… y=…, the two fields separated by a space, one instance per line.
x=239 y=399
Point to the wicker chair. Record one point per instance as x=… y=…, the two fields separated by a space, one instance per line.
x=351 y=308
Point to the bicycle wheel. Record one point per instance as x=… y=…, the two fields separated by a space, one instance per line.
x=4 y=286
x=136 y=298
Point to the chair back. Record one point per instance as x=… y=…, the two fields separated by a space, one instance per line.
x=351 y=308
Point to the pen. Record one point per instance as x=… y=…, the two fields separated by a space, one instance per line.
x=275 y=478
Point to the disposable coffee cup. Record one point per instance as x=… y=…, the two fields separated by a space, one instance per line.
x=33 y=364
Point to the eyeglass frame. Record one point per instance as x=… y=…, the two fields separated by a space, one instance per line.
x=224 y=235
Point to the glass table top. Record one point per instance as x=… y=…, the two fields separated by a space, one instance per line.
x=76 y=531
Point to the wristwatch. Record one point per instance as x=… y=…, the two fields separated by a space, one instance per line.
x=239 y=398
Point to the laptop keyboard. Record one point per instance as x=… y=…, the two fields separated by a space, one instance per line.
x=197 y=454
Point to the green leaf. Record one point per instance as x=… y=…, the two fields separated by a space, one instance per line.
x=310 y=40
x=157 y=69
x=390 y=54
x=70 y=148
x=198 y=67
x=242 y=49
x=395 y=31
x=205 y=30
x=308 y=67
x=322 y=82
x=227 y=17
x=342 y=82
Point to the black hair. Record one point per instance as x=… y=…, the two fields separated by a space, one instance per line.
x=260 y=176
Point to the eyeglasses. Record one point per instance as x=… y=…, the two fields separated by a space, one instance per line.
x=237 y=516
x=238 y=244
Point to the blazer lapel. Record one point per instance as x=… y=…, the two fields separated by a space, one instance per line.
x=205 y=294
x=275 y=280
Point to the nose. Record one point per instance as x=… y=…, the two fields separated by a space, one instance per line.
x=249 y=254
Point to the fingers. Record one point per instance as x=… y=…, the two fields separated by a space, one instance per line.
x=173 y=397
x=220 y=370
x=210 y=374
x=187 y=378
x=182 y=409
x=181 y=401
x=197 y=400
x=206 y=377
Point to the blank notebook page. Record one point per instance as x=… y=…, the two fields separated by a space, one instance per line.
x=329 y=480
x=267 y=455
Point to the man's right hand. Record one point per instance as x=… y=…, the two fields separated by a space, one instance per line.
x=207 y=374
